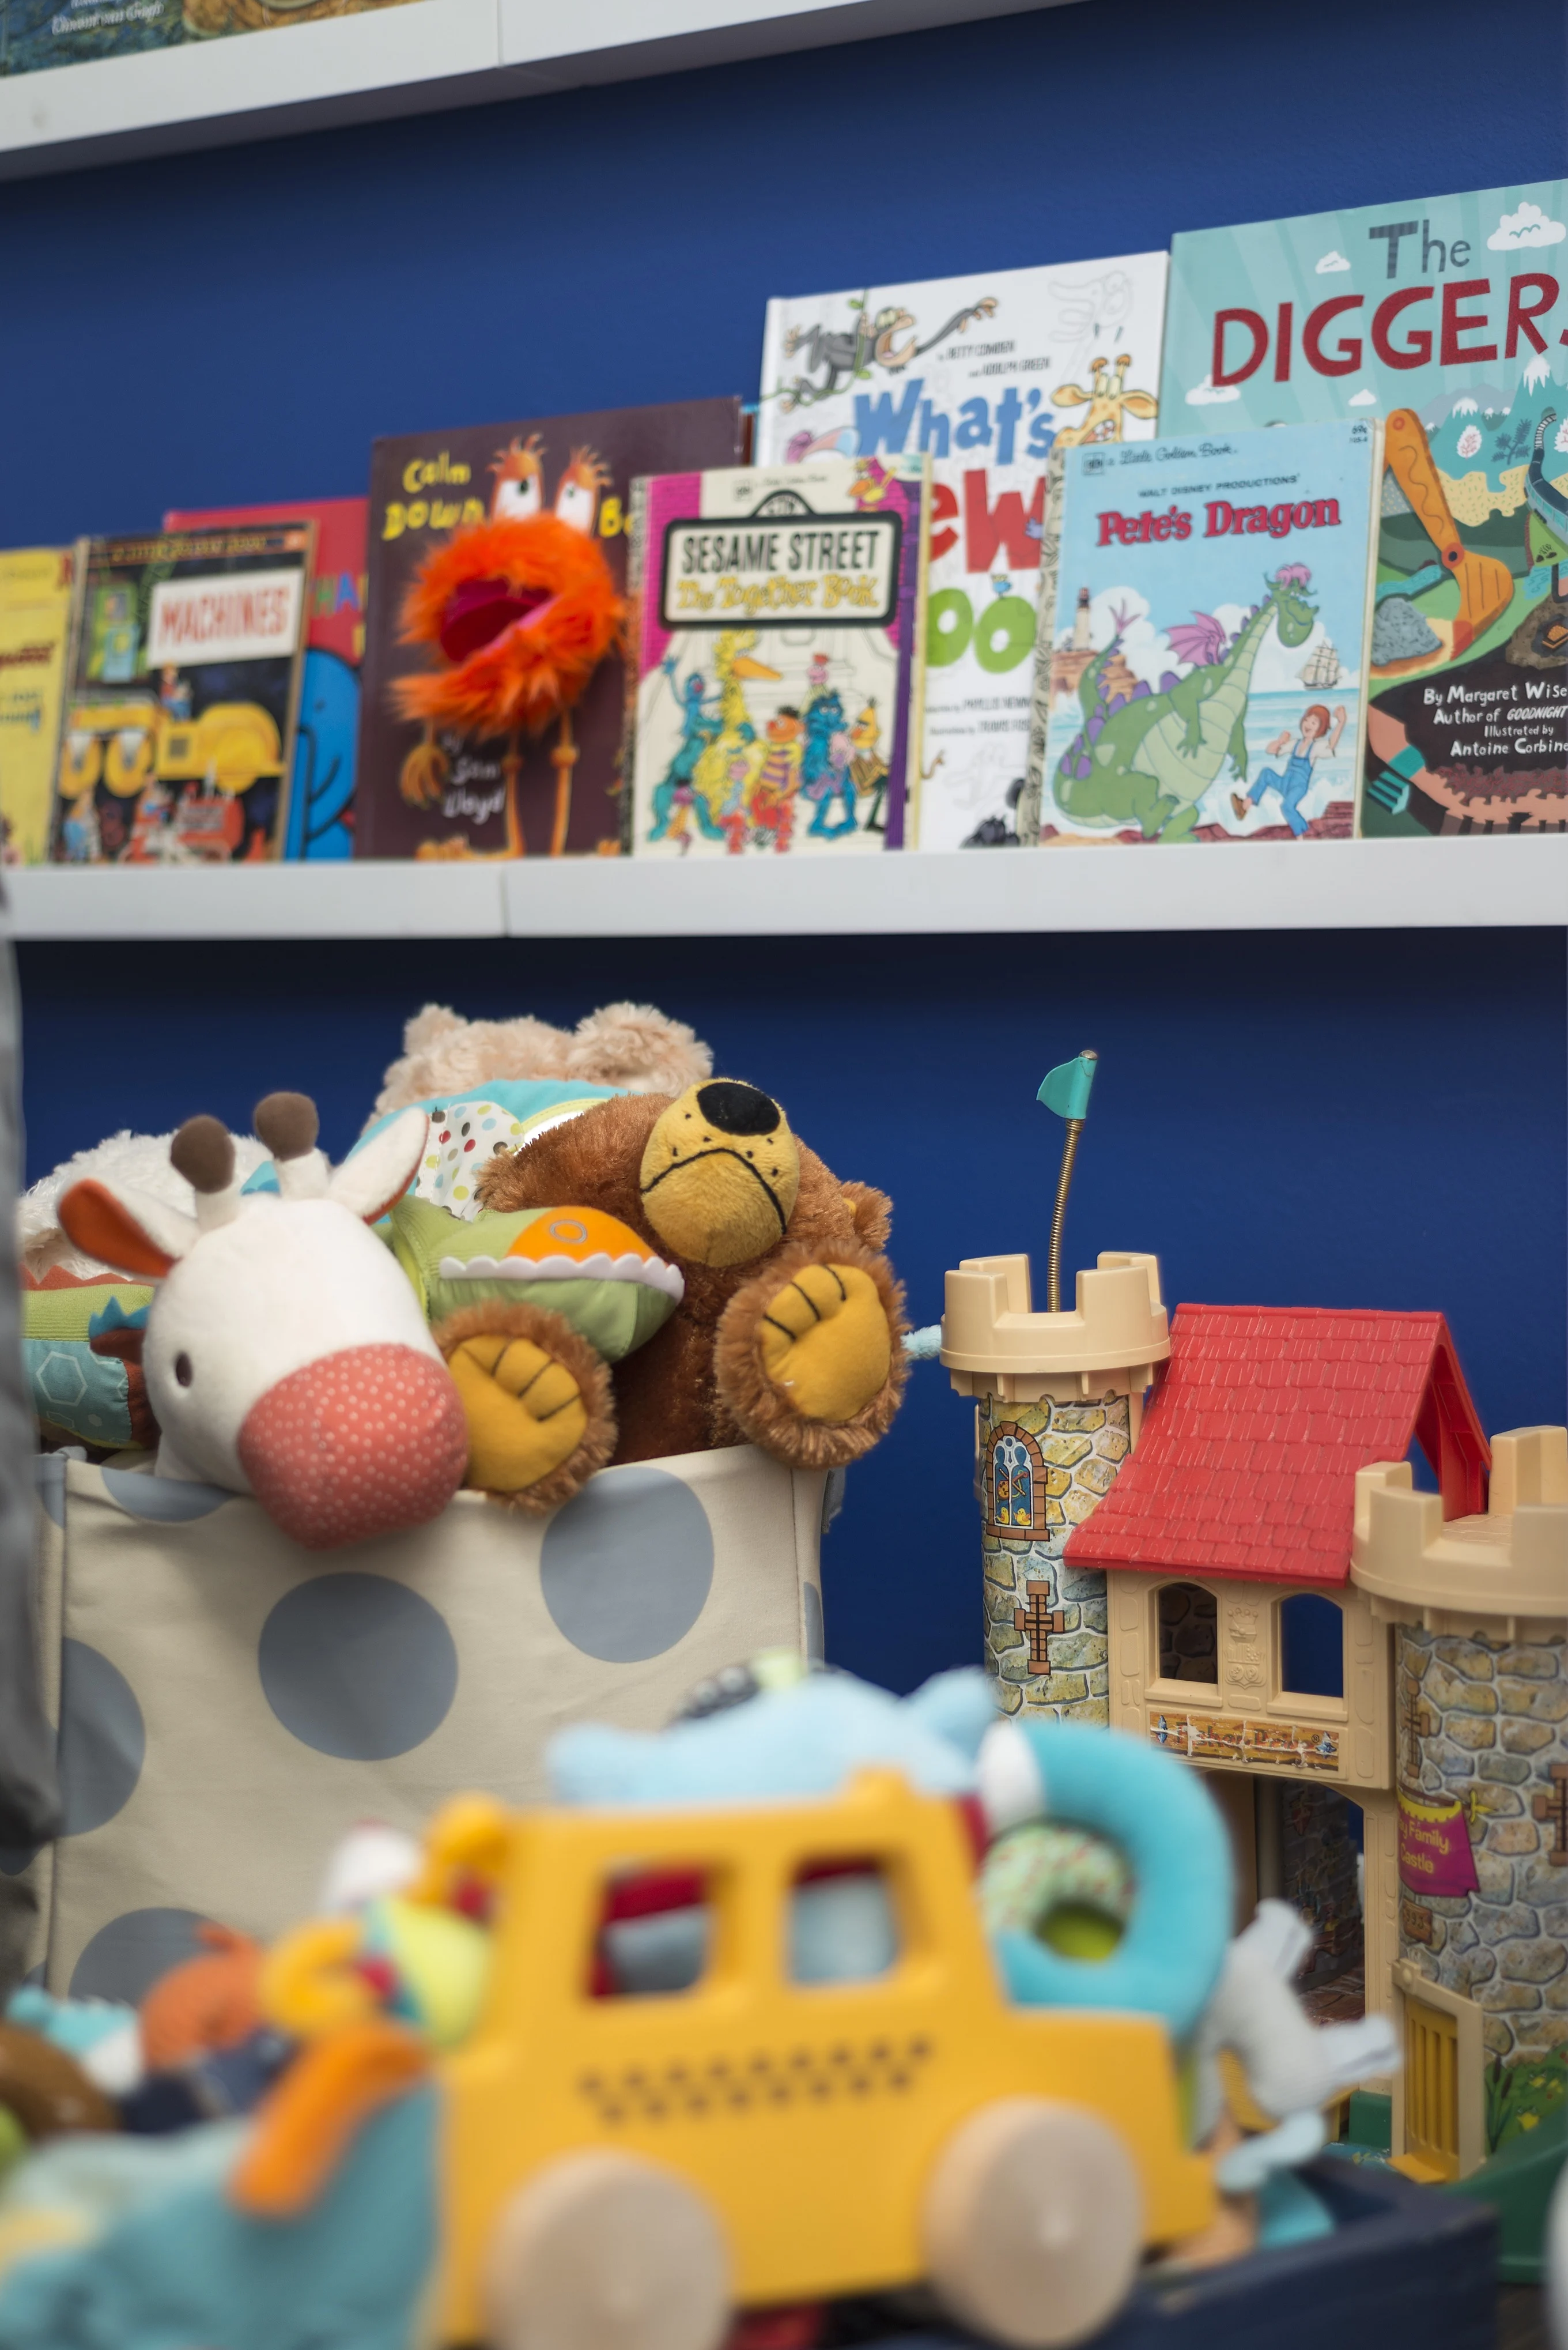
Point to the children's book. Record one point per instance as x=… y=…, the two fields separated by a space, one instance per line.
x=37 y=34
x=35 y=638
x=182 y=692
x=1211 y=619
x=436 y=792
x=1447 y=317
x=320 y=823
x=777 y=651
x=986 y=374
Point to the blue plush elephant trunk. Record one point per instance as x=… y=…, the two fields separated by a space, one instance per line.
x=1158 y=1812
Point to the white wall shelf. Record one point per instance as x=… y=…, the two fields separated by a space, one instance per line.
x=416 y=60
x=1506 y=883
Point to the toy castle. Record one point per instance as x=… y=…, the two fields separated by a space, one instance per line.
x=1374 y=1676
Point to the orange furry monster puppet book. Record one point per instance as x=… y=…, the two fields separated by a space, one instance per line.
x=494 y=687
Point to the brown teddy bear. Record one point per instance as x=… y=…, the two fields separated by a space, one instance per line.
x=788 y=1334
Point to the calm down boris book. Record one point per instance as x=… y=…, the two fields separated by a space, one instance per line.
x=1212 y=616
x=1447 y=317
x=986 y=374
x=181 y=695
x=461 y=781
x=777 y=696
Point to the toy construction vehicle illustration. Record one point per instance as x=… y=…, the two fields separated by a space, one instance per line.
x=629 y=2170
x=1485 y=585
x=141 y=751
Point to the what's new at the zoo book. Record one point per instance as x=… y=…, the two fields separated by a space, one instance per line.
x=1210 y=625
x=1447 y=315
x=778 y=628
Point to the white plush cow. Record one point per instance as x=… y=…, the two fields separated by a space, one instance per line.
x=285 y=1353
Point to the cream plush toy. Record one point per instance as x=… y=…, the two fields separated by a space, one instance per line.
x=632 y=1046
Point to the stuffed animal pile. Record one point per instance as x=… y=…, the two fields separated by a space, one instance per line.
x=615 y=1256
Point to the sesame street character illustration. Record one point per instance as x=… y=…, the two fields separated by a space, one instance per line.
x=522 y=609
x=726 y=767
x=824 y=774
x=867 y=767
x=767 y=818
x=675 y=800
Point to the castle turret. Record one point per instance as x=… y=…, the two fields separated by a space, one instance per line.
x=1081 y=620
x=1059 y=1402
x=1481 y=1720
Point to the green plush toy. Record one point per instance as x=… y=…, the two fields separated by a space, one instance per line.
x=522 y=1304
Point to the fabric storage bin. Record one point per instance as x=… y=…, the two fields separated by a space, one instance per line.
x=230 y=1704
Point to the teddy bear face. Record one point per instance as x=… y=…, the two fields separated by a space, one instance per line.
x=713 y=1212
x=721 y=1173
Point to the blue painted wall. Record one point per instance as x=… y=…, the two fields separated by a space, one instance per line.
x=1312 y=1119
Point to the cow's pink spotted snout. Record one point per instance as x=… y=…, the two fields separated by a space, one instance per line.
x=363 y=1442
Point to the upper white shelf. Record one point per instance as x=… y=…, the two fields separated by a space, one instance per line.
x=1506 y=883
x=414 y=59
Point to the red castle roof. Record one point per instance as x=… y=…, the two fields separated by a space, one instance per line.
x=1248 y=1457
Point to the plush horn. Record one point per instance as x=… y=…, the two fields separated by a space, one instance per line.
x=204 y=1152
x=288 y=1125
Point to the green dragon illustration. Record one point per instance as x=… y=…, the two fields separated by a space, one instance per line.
x=1148 y=757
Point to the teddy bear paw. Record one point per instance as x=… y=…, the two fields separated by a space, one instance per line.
x=825 y=1342
x=537 y=1400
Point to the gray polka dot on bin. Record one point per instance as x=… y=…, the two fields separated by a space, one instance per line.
x=357 y=1666
x=165 y=1500
x=126 y=1958
x=625 y=1568
x=103 y=1740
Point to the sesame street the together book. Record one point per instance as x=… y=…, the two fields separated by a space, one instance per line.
x=777 y=628
x=986 y=374
x=1212 y=616
x=1448 y=316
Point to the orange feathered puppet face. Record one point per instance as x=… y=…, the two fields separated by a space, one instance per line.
x=522 y=611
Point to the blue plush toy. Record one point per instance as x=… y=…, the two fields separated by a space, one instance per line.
x=803 y=1734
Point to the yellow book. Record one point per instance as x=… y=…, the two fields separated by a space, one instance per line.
x=34 y=631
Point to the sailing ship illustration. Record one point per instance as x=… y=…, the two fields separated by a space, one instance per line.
x=1321 y=668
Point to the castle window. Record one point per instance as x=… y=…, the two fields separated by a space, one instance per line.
x=1014 y=1483
x=1312 y=1645
x=1188 y=1644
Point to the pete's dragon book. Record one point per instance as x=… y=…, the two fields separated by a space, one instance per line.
x=1210 y=624
x=182 y=692
x=777 y=653
x=432 y=791
x=986 y=374
x=320 y=825
x=1448 y=316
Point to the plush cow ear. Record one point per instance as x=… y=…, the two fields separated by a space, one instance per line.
x=127 y=1229
x=376 y=1177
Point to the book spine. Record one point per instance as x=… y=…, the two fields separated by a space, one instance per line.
x=1032 y=799
x=67 y=688
x=636 y=567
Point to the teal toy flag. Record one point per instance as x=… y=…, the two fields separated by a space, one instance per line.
x=1067 y=1090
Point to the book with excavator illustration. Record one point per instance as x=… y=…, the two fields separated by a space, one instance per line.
x=777 y=628
x=1207 y=663
x=1447 y=317
x=986 y=374
x=435 y=789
